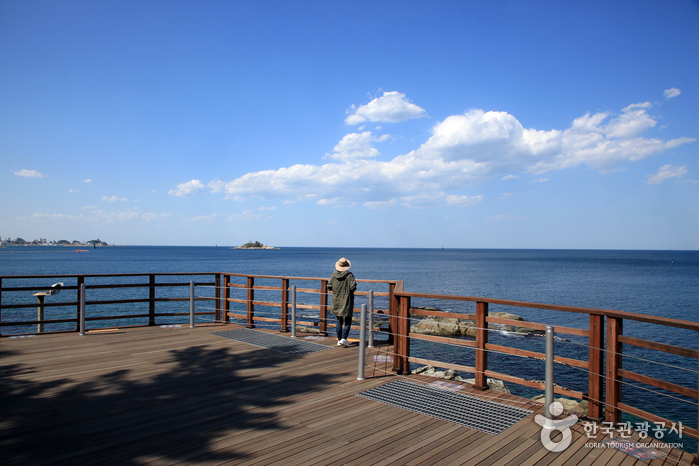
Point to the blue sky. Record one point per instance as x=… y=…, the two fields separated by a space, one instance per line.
x=351 y=124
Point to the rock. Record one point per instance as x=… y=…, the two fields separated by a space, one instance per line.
x=452 y=327
x=430 y=371
x=300 y=329
x=493 y=384
x=576 y=407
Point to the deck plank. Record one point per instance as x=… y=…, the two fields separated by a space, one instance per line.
x=177 y=395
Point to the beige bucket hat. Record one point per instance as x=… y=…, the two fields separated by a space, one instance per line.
x=342 y=265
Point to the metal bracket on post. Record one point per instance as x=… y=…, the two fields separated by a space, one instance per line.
x=549 y=424
x=82 y=309
x=293 y=311
x=362 y=343
x=191 y=304
x=371 y=318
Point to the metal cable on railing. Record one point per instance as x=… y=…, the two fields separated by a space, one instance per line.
x=533 y=358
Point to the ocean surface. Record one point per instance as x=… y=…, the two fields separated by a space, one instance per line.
x=661 y=283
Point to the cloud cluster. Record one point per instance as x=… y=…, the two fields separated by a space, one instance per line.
x=187 y=189
x=114 y=199
x=672 y=92
x=29 y=174
x=463 y=151
x=391 y=107
x=666 y=172
x=101 y=216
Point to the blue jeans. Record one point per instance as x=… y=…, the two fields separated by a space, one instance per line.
x=343 y=327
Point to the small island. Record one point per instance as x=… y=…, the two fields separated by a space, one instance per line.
x=254 y=245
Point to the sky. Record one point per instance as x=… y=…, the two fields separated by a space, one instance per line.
x=455 y=124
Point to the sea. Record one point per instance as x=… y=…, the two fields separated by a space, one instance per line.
x=659 y=283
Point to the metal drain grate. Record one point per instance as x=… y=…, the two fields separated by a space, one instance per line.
x=273 y=342
x=474 y=413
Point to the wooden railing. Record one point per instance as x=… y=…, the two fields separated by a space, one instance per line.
x=604 y=359
x=93 y=283
x=604 y=332
x=250 y=283
x=220 y=286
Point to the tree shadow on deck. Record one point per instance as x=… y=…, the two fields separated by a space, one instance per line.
x=171 y=409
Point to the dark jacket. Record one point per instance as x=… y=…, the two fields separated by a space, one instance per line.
x=342 y=284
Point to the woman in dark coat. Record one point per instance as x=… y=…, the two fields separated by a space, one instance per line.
x=343 y=285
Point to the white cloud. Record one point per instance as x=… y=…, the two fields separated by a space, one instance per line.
x=204 y=218
x=88 y=180
x=114 y=199
x=267 y=208
x=392 y=107
x=69 y=218
x=463 y=150
x=667 y=172
x=336 y=202
x=463 y=200
x=381 y=204
x=188 y=188
x=356 y=146
x=30 y=174
x=246 y=215
x=100 y=216
x=216 y=186
x=150 y=216
x=505 y=196
x=670 y=93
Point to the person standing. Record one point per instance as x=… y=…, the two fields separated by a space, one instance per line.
x=343 y=285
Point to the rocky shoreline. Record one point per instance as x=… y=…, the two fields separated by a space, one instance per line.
x=452 y=327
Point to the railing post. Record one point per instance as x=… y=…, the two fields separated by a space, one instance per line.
x=81 y=281
x=251 y=306
x=404 y=332
x=191 y=304
x=82 y=309
x=371 y=319
x=362 y=343
x=323 y=326
x=217 y=298
x=596 y=370
x=401 y=341
x=548 y=393
x=0 y=305
x=392 y=313
x=293 y=311
x=614 y=329
x=40 y=315
x=481 y=382
x=151 y=300
x=226 y=297
x=285 y=305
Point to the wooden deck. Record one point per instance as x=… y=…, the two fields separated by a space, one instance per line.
x=184 y=396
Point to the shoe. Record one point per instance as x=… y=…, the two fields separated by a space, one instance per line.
x=339 y=343
x=345 y=343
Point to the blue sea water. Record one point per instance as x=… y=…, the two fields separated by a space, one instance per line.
x=661 y=283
